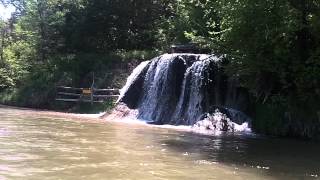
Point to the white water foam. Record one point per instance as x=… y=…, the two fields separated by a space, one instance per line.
x=213 y=124
x=134 y=75
x=217 y=123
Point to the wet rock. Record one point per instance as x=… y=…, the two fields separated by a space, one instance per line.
x=130 y=94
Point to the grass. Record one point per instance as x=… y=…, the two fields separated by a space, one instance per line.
x=88 y=108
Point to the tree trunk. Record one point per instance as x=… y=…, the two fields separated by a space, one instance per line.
x=42 y=30
x=2 y=45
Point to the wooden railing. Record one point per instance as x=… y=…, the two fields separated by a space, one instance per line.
x=92 y=95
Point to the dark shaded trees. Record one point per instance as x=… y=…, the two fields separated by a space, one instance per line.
x=109 y=25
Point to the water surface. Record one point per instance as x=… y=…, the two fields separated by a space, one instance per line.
x=39 y=146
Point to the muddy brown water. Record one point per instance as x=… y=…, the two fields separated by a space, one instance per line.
x=37 y=145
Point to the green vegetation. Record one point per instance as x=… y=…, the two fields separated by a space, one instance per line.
x=272 y=46
x=49 y=43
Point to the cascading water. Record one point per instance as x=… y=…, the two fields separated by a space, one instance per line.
x=163 y=77
x=130 y=93
x=179 y=89
x=189 y=107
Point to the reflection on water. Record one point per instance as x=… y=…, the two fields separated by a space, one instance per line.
x=38 y=147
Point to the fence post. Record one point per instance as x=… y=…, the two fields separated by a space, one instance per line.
x=92 y=93
x=92 y=89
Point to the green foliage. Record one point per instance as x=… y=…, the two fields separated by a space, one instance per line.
x=48 y=43
x=87 y=108
x=102 y=26
x=9 y=96
x=5 y=79
x=34 y=92
x=268 y=117
x=272 y=46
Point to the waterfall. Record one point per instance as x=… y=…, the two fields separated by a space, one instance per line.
x=160 y=89
x=190 y=107
x=179 y=89
x=130 y=93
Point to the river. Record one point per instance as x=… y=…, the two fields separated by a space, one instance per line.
x=37 y=145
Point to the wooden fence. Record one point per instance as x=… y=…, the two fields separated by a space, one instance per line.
x=92 y=95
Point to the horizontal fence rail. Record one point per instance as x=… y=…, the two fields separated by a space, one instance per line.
x=91 y=95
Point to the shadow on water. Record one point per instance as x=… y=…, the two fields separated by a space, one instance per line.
x=279 y=158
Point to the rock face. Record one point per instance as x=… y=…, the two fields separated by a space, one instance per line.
x=131 y=92
x=178 y=89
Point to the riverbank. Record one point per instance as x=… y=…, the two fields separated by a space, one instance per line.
x=55 y=114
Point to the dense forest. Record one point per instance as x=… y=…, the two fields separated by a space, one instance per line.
x=271 y=46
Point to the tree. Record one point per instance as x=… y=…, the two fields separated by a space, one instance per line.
x=103 y=26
